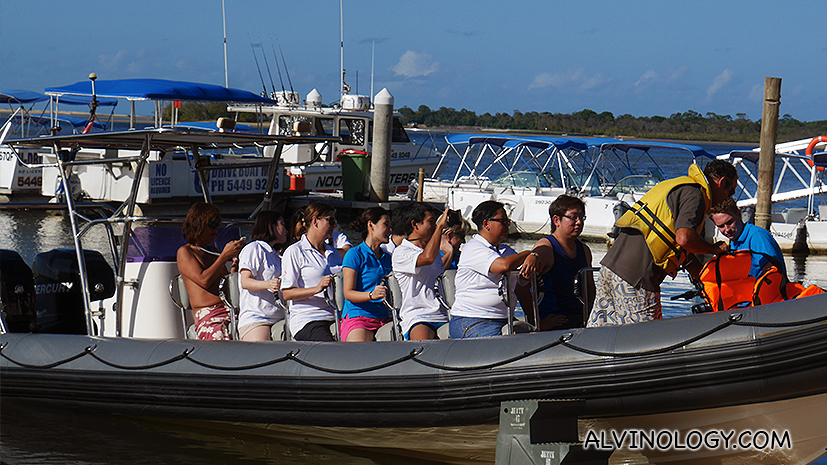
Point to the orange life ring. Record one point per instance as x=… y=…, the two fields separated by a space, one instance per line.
x=811 y=146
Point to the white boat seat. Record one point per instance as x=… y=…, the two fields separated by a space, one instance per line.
x=229 y=289
x=393 y=301
x=181 y=299
x=446 y=289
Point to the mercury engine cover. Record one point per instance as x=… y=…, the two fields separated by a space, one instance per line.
x=17 y=301
x=59 y=294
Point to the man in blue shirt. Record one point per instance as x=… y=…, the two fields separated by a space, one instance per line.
x=727 y=217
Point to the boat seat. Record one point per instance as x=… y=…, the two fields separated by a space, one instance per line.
x=337 y=302
x=446 y=289
x=393 y=301
x=181 y=299
x=229 y=289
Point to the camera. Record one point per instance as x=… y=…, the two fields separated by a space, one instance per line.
x=454 y=218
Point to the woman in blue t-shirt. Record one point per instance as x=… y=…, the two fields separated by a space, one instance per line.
x=364 y=267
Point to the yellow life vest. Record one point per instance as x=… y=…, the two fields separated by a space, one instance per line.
x=652 y=216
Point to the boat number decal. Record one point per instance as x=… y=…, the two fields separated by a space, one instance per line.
x=519 y=416
x=29 y=181
x=53 y=288
x=400 y=154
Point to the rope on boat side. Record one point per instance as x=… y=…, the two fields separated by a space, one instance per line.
x=733 y=320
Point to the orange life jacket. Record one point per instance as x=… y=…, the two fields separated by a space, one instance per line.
x=727 y=283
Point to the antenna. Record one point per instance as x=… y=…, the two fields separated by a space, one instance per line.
x=270 y=73
x=342 y=48
x=372 y=61
x=224 y=20
x=253 y=48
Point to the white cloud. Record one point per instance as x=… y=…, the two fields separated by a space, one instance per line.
x=719 y=82
x=413 y=64
x=757 y=93
x=648 y=77
x=573 y=77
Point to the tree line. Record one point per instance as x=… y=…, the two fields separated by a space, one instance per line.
x=690 y=125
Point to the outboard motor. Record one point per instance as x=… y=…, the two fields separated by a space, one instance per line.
x=59 y=294
x=17 y=302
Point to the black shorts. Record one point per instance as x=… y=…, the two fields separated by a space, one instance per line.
x=315 y=331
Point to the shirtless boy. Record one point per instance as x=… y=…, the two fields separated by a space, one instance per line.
x=203 y=269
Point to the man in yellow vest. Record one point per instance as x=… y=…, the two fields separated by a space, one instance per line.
x=655 y=238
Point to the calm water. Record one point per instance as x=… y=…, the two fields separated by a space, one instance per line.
x=46 y=435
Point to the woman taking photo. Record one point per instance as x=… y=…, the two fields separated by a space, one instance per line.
x=364 y=268
x=307 y=269
x=259 y=267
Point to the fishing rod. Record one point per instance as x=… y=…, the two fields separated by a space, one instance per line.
x=267 y=63
x=278 y=68
x=286 y=71
x=258 y=67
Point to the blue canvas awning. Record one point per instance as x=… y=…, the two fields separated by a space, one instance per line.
x=625 y=146
x=21 y=96
x=159 y=89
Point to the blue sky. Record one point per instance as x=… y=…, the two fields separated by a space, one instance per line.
x=639 y=57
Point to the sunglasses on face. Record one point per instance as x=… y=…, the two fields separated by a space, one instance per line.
x=214 y=224
x=504 y=221
x=330 y=220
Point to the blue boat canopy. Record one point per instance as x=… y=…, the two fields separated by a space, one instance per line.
x=21 y=96
x=159 y=89
x=696 y=150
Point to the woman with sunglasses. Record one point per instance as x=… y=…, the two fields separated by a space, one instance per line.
x=259 y=267
x=202 y=270
x=308 y=267
x=559 y=258
x=478 y=310
x=365 y=266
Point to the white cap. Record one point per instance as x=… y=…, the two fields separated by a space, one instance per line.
x=383 y=97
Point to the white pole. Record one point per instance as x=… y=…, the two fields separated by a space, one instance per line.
x=224 y=20
x=372 y=62
x=380 y=161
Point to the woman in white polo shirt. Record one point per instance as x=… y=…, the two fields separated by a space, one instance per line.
x=478 y=310
x=307 y=269
x=259 y=265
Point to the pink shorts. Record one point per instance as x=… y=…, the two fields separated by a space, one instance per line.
x=212 y=323
x=363 y=322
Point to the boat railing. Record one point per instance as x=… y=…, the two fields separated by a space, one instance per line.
x=799 y=176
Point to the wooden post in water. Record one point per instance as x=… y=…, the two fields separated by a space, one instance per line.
x=380 y=163
x=420 y=188
x=766 y=160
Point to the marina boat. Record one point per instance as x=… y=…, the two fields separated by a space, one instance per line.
x=170 y=183
x=352 y=121
x=799 y=217
x=16 y=179
x=527 y=173
x=753 y=374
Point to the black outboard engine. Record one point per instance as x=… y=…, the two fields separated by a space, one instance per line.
x=17 y=302
x=59 y=294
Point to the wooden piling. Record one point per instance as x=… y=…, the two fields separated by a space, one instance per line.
x=420 y=186
x=766 y=161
